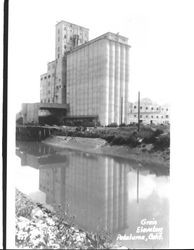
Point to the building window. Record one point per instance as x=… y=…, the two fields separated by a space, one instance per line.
x=45 y=77
x=152 y=108
x=166 y=116
x=146 y=116
x=157 y=116
x=134 y=115
x=166 y=109
x=156 y=108
x=152 y=116
x=140 y=107
x=140 y=116
x=134 y=107
x=147 y=108
x=65 y=36
x=161 y=116
x=58 y=31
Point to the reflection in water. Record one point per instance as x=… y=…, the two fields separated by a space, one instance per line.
x=102 y=193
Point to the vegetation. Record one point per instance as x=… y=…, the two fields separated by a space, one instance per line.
x=159 y=136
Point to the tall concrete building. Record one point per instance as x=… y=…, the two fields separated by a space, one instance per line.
x=98 y=79
x=91 y=76
x=69 y=36
x=53 y=83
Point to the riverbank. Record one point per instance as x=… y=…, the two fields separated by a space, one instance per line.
x=144 y=155
x=39 y=228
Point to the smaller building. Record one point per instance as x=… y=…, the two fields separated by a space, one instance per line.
x=150 y=112
x=43 y=113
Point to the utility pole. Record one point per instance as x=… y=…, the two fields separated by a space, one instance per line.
x=121 y=110
x=138 y=111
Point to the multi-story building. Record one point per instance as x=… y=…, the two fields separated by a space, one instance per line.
x=150 y=112
x=98 y=79
x=91 y=76
x=68 y=36
x=53 y=83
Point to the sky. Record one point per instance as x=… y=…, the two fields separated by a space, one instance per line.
x=147 y=24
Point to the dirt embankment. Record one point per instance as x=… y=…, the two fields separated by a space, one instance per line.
x=141 y=154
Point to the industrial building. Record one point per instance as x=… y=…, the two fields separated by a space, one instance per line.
x=98 y=79
x=53 y=83
x=43 y=113
x=92 y=77
x=150 y=112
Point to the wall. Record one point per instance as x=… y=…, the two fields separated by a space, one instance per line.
x=43 y=87
x=149 y=112
x=30 y=113
x=68 y=36
x=98 y=79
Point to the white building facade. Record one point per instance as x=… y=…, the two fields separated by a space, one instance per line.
x=150 y=113
x=98 y=79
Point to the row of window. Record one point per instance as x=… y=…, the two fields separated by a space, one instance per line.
x=49 y=76
x=146 y=116
x=135 y=107
x=50 y=100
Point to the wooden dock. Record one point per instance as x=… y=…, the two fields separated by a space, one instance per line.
x=33 y=132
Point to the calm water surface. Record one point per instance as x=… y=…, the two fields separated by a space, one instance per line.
x=103 y=193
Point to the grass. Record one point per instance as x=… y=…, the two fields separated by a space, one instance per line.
x=159 y=136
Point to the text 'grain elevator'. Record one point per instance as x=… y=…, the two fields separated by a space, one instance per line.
x=91 y=76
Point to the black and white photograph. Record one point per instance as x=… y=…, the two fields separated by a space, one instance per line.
x=91 y=122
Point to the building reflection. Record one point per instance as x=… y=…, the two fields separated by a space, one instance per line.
x=103 y=193
x=95 y=187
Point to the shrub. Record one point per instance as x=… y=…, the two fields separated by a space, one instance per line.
x=118 y=140
x=132 y=140
x=158 y=132
x=114 y=124
x=162 y=142
x=122 y=125
x=109 y=138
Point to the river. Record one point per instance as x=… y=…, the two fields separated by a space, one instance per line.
x=99 y=193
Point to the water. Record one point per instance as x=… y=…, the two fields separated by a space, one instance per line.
x=103 y=193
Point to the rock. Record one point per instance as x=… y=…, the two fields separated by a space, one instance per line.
x=37 y=213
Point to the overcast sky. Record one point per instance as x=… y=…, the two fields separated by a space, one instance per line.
x=151 y=27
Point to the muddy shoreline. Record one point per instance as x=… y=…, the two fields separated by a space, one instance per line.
x=137 y=155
